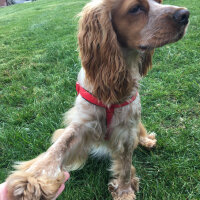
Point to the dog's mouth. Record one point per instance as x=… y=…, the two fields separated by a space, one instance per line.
x=144 y=48
x=159 y=42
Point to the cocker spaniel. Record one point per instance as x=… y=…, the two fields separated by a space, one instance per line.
x=116 y=41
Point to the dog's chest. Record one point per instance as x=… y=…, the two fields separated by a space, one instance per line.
x=127 y=115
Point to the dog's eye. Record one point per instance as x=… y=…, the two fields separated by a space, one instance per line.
x=135 y=9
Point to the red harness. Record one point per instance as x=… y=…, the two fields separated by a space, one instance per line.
x=109 y=110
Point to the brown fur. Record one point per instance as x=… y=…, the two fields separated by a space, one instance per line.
x=116 y=41
x=102 y=58
x=146 y=63
x=28 y=187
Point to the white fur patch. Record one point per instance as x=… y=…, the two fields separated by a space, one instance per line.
x=100 y=151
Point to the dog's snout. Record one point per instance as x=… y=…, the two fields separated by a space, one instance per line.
x=181 y=16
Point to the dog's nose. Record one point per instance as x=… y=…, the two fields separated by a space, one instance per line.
x=181 y=16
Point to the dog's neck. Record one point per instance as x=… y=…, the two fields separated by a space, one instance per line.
x=132 y=59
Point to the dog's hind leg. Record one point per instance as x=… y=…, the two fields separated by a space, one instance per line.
x=41 y=177
x=145 y=139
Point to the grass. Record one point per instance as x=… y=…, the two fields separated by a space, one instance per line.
x=38 y=68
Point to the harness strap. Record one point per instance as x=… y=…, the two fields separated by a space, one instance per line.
x=109 y=110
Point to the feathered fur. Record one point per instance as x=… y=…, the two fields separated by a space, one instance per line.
x=116 y=41
x=102 y=57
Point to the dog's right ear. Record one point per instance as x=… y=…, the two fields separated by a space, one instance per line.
x=101 y=56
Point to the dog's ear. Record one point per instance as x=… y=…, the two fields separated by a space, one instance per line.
x=146 y=62
x=101 y=55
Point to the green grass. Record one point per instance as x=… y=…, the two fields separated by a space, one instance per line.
x=38 y=69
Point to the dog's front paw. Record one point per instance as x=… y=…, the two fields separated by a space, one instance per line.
x=32 y=181
x=148 y=141
x=24 y=186
x=121 y=193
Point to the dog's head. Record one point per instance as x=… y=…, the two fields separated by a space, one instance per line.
x=107 y=26
x=147 y=24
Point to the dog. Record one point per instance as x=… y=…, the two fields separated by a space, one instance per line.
x=116 y=41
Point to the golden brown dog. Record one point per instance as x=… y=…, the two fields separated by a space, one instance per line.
x=116 y=42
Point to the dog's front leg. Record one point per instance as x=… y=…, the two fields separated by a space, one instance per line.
x=41 y=177
x=124 y=184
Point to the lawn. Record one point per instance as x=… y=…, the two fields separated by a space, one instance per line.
x=38 y=69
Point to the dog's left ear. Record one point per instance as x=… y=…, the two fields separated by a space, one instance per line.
x=146 y=62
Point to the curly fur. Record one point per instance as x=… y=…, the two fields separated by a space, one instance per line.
x=101 y=56
x=116 y=41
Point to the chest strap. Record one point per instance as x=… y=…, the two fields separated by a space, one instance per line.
x=109 y=110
